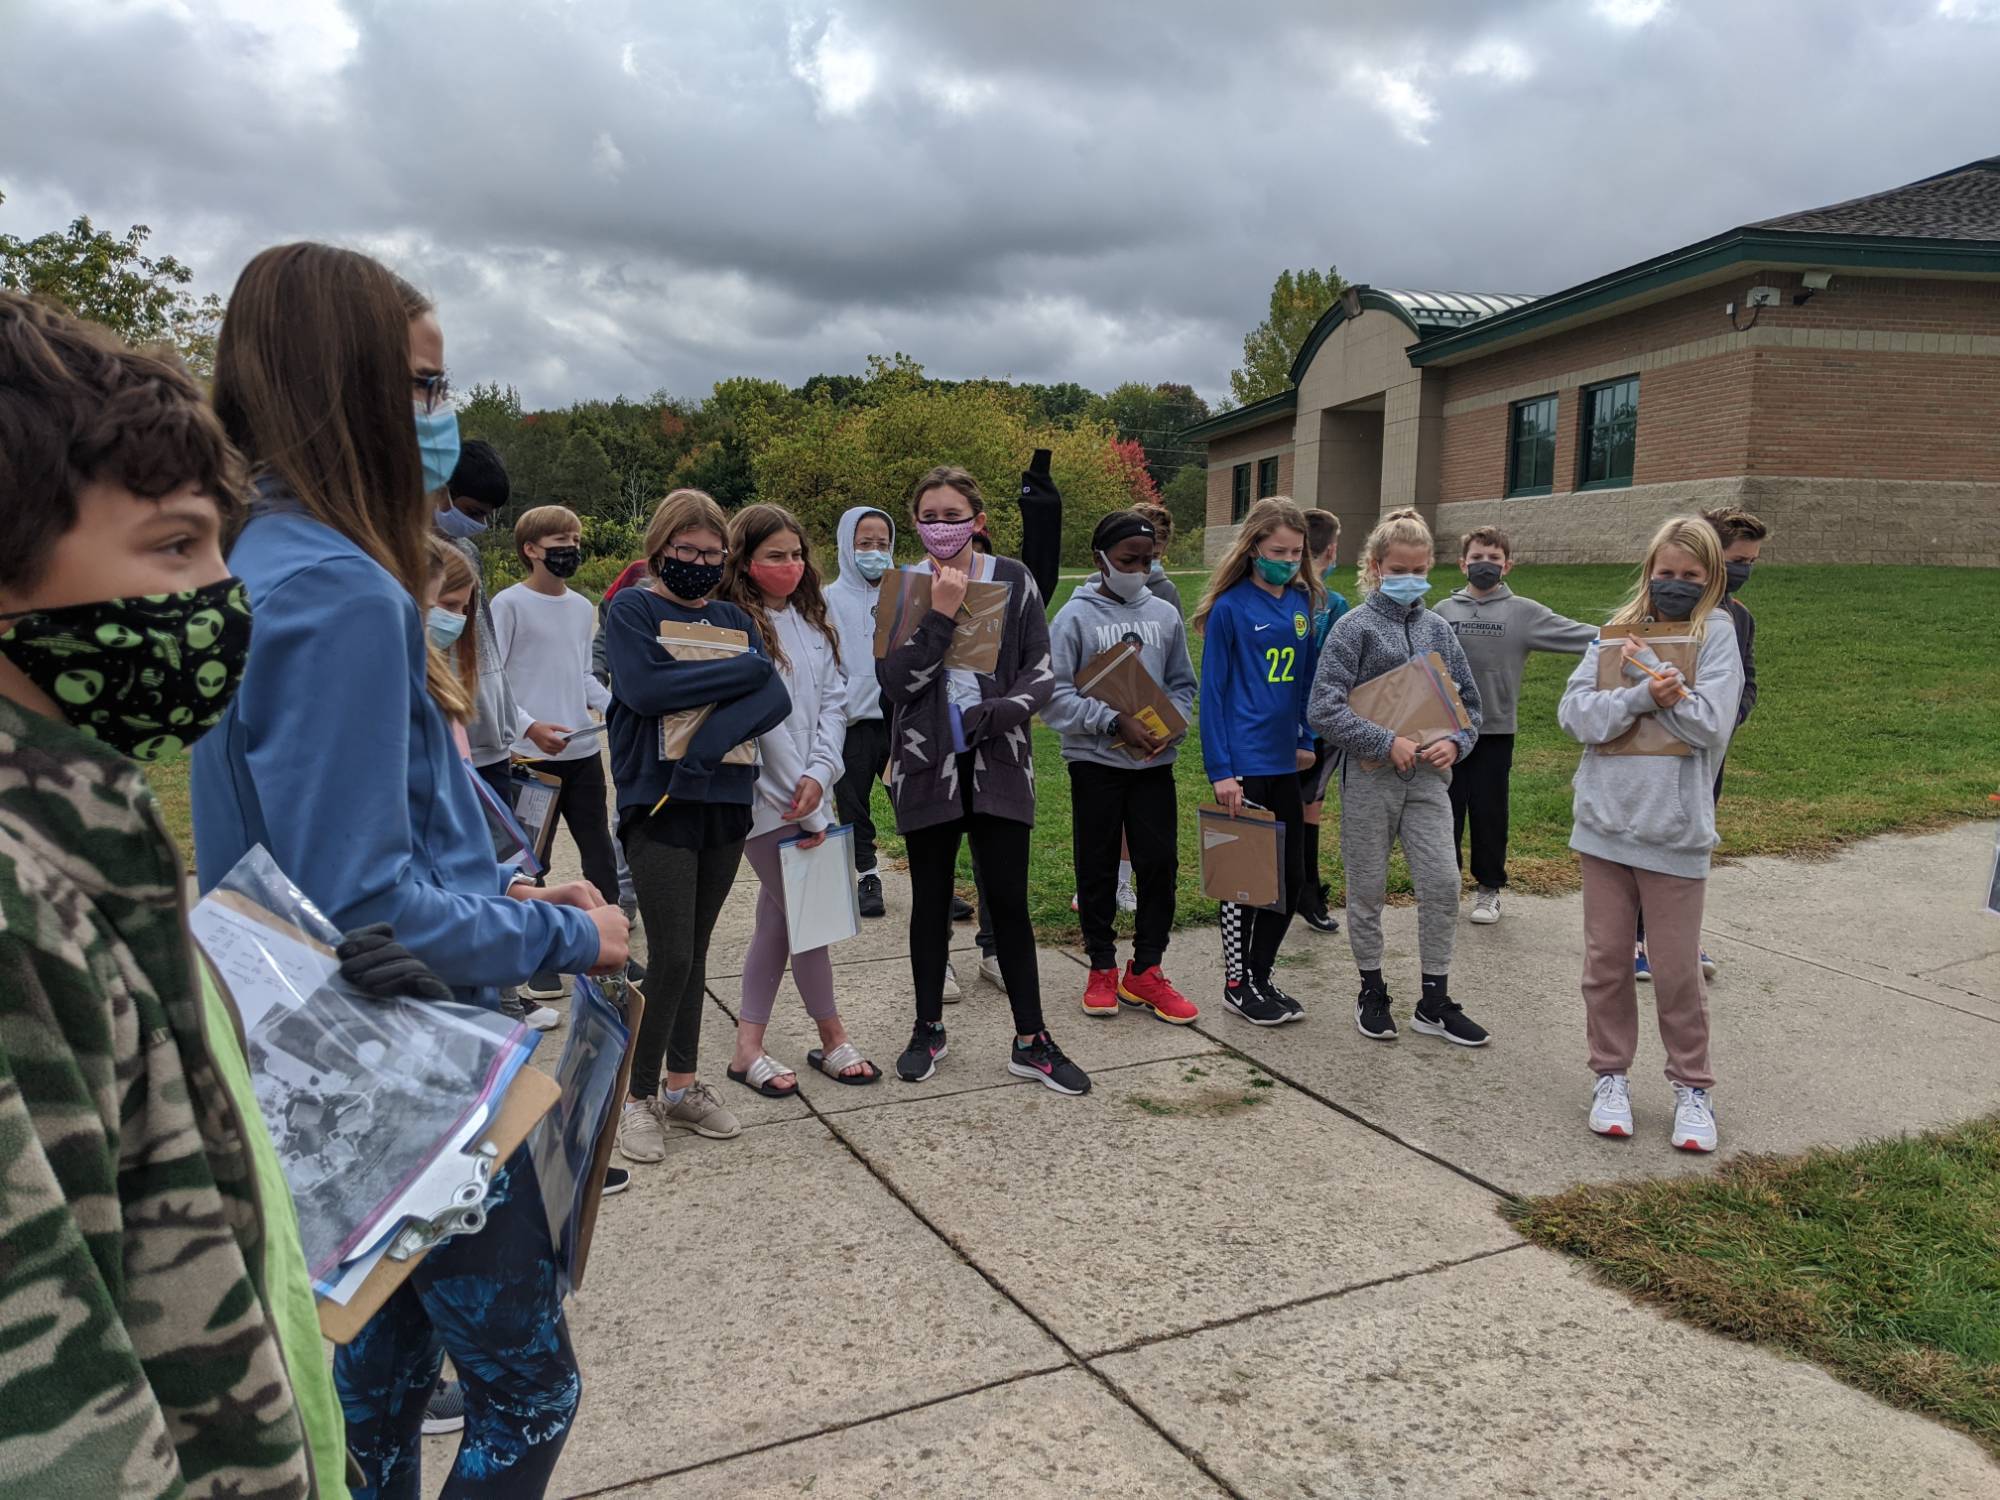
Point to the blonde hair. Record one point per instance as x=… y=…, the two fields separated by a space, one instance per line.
x=1272 y=513
x=1400 y=528
x=1695 y=536
x=683 y=510
x=542 y=521
x=451 y=690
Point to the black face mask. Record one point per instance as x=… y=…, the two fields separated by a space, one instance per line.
x=1739 y=574
x=562 y=561
x=1674 y=598
x=688 y=580
x=1482 y=575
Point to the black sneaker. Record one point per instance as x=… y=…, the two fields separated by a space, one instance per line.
x=1440 y=1015
x=1293 y=1010
x=1319 y=919
x=545 y=986
x=870 y=892
x=962 y=910
x=1371 y=1014
x=1249 y=1001
x=919 y=1059
x=616 y=1180
x=1042 y=1059
x=635 y=972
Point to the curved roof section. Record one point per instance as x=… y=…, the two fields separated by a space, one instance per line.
x=1426 y=313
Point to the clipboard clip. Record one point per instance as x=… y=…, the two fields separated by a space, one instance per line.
x=465 y=1213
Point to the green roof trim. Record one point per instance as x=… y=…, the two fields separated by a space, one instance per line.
x=1426 y=314
x=1744 y=247
x=1240 y=417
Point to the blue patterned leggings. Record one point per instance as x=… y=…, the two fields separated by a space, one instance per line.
x=490 y=1301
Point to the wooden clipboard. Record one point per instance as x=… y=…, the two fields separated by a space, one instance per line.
x=531 y=1095
x=600 y=1161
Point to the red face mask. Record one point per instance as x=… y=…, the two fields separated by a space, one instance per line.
x=777 y=580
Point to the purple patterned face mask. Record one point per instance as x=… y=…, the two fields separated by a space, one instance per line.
x=946 y=538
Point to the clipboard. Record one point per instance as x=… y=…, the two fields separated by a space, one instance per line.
x=1118 y=678
x=1242 y=857
x=696 y=640
x=981 y=622
x=1417 y=700
x=537 y=799
x=1672 y=643
x=633 y=1005
x=531 y=1095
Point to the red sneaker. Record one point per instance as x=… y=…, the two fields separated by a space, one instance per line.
x=1150 y=988
x=1100 y=995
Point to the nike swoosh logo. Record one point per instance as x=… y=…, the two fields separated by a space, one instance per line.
x=1265 y=626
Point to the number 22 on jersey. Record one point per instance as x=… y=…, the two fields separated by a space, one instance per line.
x=1279 y=660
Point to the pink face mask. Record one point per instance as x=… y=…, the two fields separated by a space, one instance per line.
x=946 y=538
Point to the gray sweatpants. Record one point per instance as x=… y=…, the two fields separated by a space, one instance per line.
x=1376 y=809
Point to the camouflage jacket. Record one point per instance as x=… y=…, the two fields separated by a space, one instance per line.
x=137 y=1353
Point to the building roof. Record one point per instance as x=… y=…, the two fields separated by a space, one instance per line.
x=1451 y=309
x=1962 y=204
x=1237 y=418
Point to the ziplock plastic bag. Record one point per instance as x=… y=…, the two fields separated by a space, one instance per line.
x=565 y=1142
x=359 y=1095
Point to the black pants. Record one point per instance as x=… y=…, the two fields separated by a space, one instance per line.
x=863 y=754
x=584 y=802
x=681 y=892
x=1106 y=802
x=1251 y=935
x=1479 y=797
x=1001 y=847
x=1311 y=781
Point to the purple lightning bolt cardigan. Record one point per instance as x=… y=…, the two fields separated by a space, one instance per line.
x=924 y=775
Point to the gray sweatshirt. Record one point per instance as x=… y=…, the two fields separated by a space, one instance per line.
x=1654 y=812
x=1093 y=621
x=1376 y=636
x=497 y=720
x=1497 y=633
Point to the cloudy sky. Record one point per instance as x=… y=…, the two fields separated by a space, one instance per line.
x=607 y=196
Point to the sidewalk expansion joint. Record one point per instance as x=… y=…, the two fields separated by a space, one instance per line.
x=1882 y=979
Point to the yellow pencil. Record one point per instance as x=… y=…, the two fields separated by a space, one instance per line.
x=658 y=805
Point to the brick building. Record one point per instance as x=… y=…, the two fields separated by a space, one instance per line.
x=1837 y=371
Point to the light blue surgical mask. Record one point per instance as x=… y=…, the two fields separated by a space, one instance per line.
x=437 y=441
x=444 y=627
x=872 y=565
x=457 y=525
x=1156 y=571
x=1405 y=588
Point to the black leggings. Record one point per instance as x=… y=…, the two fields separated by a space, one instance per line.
x=1252 y=934
x=1001 y=847
x=680 y=892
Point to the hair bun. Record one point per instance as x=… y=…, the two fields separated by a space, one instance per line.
x=1407 y=513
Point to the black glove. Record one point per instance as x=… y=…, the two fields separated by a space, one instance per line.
x=373 y=962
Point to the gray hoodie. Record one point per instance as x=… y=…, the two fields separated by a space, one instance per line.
x=1654 y=812
x=497 y=720
x=850 y=602
x=1092 y=621
x=1497 y=633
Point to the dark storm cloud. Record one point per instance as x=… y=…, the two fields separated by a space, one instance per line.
x=617 y=197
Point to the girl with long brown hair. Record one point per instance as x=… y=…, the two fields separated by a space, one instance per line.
x=772 y=577
x=337 y=758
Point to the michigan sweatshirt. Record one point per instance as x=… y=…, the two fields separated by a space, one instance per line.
x=1497 y=633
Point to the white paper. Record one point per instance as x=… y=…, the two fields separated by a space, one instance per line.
x=821 y=906
x=262 y=966
x=533 y=802
x=584 y=735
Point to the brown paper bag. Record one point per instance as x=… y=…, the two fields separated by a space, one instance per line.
x=1418 y=701
x=1671 y=642
x=905 y=598
x=1117 y=677
x=695 y=641
x=1242 y=858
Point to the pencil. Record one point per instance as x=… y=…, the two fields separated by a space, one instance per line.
x=660 y=804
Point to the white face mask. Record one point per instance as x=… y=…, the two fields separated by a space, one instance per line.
x=1126 y=586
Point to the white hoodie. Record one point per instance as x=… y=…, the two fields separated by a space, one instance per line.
x=850 y=601
x=809 y=742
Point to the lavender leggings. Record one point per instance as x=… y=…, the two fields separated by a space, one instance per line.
x=764 y=963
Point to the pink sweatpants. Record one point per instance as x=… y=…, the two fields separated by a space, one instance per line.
x=770 y=944
x=1613 y=897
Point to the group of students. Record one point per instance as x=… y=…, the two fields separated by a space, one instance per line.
x=341 y=679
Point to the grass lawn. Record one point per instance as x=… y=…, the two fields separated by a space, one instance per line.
x=1879 y=710
x=1881 y=1263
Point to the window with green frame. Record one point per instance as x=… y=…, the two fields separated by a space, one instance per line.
x=1267 y=477
x=1239 y=492
x=1531 y=447
x=1610 y=433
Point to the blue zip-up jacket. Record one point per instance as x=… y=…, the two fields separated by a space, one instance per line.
x=1257 y=661
x=748 y=694
x=334 y=757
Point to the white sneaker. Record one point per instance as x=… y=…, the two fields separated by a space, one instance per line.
x=540 y=1017
x=951 y=989
x=641 y=1136
x=1708 y=965
x=1486 y=907
x=1128 y=899
x=989 y=970
x=1611 y=1105
x=1072 y=903
x=1694 y=1120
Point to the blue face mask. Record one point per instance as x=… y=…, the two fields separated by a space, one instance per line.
x=1405 y=588
x=457 y=525
x=1274 y=572
x=437 y=441
x=1156 y=571
x=871 y=565
x=444 y=627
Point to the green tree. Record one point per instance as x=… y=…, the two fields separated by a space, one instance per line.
x=109 y=279
x=584 y=479
x=1297 y=300
x=1154 y=416
x=1186 y=499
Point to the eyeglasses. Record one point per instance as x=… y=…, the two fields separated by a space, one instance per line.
x=713 y=556
x=431 y=390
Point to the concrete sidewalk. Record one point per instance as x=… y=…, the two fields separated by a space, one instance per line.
x=1269 y=1263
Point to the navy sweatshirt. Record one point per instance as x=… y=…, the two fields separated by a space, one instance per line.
x=748 y=694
